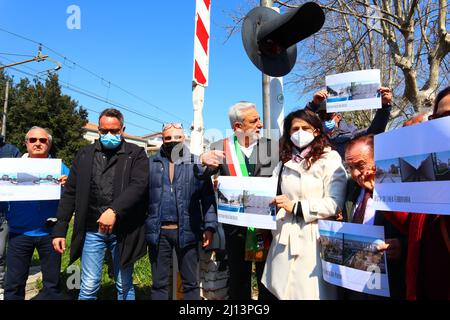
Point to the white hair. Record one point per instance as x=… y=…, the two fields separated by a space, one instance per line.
x=235 y=112
x=36 y=127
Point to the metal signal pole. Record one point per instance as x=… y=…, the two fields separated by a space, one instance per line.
x=266 y=88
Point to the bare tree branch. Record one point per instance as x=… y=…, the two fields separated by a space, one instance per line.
x=406 y=39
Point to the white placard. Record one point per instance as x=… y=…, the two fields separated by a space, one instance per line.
x=356 y=90
x=413 y=168
x=350 y=259
x=28 y=179
x=245 y=201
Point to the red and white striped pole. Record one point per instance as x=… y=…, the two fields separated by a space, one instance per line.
x=201 y=66
x=199 y=82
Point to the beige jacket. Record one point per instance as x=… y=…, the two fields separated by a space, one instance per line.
x=293 y=268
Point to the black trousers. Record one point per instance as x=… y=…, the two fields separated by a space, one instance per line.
x=240 y=281
x=161 y=258
x=20 y=252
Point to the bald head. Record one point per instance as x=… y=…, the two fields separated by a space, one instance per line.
x=38 y=142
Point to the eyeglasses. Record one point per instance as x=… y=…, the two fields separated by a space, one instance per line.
x=442 y=115
x=176 y=125
x=105 y=131
x=41 y=140
x=361 y=167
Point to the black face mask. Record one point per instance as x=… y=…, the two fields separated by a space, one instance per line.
x=169 y=147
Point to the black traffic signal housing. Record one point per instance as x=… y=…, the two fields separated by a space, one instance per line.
x=270 y=38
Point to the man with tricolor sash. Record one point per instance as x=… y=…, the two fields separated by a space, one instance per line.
x=244 y=154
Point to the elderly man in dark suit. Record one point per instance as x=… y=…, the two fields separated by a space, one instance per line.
x=256 y=157
x=359 y=159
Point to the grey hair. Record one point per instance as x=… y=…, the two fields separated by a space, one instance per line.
x=46 y=131
x=235 y=112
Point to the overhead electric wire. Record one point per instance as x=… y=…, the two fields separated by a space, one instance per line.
x=94 y=96
x=126 y=122
x=90 y=94
x=16 y=54
x=96 y=75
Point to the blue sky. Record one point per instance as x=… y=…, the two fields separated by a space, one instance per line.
x=144 y=47
x=386 y=164
x=444 y=156
x=416 y=160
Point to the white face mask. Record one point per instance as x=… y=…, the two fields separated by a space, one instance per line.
x=302 y=138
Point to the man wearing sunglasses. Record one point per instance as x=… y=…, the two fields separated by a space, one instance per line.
x=29 y=229
x=107 y=190
x=6 y=151
x=339 y=131
x=181 y=213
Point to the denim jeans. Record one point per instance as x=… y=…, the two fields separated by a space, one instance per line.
x=95 y=246
x=18 y=260
x=161 y=258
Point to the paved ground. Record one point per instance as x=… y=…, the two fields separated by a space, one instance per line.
x=32 y=288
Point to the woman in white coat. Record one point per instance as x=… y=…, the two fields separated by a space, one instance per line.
x=313 y=185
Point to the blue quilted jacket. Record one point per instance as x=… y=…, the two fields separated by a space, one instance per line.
x=196 y=204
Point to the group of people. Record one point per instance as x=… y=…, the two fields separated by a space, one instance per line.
x=131 y=205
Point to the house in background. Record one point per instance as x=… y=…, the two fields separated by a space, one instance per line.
x=91 y=135
x=150 y=142
x=154 y=141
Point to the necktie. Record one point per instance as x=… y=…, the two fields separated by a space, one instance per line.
x=358 y=217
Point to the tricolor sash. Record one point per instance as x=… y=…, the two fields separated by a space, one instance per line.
x=256 y=247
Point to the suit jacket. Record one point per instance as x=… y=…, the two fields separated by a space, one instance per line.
x=265 y=157
x=130 y=189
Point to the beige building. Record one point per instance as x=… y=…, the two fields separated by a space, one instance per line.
x=151 y=142
x=154 y=142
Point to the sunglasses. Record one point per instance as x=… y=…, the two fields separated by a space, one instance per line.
x=176 y=125
x=41 y=140
x=105 y=131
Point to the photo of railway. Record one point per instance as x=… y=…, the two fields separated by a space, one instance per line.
x=416 y=168
x=360 y=253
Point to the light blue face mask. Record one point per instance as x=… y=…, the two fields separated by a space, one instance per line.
x=329 y=125
x=110 y=141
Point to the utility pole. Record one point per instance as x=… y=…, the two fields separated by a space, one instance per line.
x=5 y=110
x=266 y=88
x=38 y=58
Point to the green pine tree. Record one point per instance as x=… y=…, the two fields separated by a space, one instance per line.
x=42 y=104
